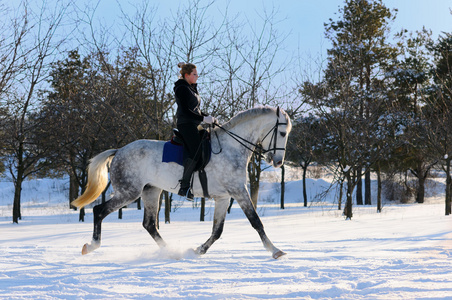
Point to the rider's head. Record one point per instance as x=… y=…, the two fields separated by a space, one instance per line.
x=188 y=72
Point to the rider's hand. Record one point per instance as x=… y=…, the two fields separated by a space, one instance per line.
x=209 y=120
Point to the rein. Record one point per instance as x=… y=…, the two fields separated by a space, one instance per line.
x=244 y=142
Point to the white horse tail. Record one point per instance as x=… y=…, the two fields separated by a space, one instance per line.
x=97 y=178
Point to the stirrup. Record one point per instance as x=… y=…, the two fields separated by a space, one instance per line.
x=186 y=193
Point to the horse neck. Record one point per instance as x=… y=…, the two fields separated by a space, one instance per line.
x=256 y=129
x=253 y=129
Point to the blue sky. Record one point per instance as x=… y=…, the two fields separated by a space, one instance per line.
x=304 y=19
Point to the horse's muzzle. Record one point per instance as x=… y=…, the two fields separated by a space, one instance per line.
x=277 y=163
x=276 y=160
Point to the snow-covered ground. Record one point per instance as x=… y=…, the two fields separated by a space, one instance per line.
x=405 y=252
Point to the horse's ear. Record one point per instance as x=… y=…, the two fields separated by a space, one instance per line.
x=277 y=112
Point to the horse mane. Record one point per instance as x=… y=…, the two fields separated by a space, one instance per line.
x=247 y=115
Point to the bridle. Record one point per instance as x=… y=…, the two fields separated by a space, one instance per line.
x=255 y=148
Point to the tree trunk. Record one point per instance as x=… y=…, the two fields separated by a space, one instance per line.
x=367 y=188
x=420 y=194
x=73 y=190
x=81 y=216
x=359 y=187
x=230 y=205
x=349 y=206
x=167 y=206
x=254 y=172
x=283 y=186
x=203 y=209
x=379 y=206
x=17 y=193
x=104 y=192
x=157 y=218
x=449 y=202
x=341 y=190
x=448 y=188
x=18 y=184
x=305 y=193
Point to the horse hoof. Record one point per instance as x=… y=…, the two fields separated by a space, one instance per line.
x=200 y=250
x=191 y=253
x=278 y=254
x=85 y=249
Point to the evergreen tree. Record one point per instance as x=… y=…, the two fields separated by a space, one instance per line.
x=439 y=109
x=410 y=79
x=351 y=98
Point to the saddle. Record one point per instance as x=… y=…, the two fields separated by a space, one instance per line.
x=173 y=151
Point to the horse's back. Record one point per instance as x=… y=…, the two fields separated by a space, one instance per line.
x=140 y=163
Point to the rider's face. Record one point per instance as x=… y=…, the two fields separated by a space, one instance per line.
x=192 y=77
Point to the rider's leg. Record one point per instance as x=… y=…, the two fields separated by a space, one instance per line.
x=192 y=141
x=189 y=166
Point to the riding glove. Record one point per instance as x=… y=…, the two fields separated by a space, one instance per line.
x=209 y=120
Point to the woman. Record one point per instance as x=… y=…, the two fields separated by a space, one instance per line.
x=189 y=116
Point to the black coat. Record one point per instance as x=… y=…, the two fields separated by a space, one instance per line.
x=188 y=103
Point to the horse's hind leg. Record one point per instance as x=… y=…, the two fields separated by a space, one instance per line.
x=221 y=207
x=150 y=197
x=99 y=213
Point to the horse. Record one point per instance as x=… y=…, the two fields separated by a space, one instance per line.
x=137 y=170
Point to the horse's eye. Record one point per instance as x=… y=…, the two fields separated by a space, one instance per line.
x=283 y=134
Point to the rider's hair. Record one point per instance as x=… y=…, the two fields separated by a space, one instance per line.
x=185 y=68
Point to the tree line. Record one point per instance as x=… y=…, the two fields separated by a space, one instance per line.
x=381 y=106
x=71 y=87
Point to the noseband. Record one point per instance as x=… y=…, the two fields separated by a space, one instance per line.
x=273 y=138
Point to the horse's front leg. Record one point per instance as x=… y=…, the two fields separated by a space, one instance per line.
x=244 y=200
x=221 y=207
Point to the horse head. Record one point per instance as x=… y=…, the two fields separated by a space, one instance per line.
x=266 y=128
x=274 y=143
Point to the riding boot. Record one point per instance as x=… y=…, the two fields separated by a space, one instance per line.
x=185 y=191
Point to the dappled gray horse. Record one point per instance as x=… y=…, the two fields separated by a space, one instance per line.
x=137 y=170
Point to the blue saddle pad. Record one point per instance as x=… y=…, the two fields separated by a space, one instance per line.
x=173 y=153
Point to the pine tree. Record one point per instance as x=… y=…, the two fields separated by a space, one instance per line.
x=410 y=79
x=354 y=84
x=439 y=109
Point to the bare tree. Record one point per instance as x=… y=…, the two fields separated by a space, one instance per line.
x=196 y=35
x=155 y=46
x=247 y=72
x=36 y=43
x=13 y=30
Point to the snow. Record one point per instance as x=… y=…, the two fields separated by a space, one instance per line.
x=402 y=253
